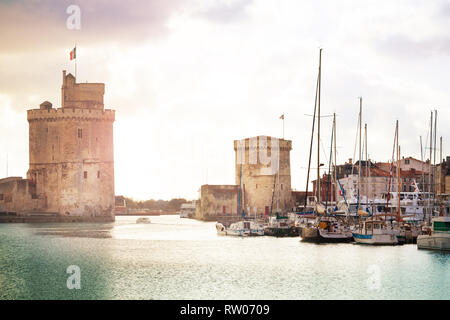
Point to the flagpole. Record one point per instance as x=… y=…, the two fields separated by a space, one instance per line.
x=75 y=62
x=283 y=126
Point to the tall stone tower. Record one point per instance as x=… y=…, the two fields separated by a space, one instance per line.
x=71 y=152
x=263 y=171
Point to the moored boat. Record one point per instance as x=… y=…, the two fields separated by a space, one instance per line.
x=143 y=220
x=375 y=232
x=241 y=228
x=327 y=229
x=281 y=226
x=332 y=230
x=438 y=237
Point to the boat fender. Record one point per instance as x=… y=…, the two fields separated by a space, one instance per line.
x=429 y=231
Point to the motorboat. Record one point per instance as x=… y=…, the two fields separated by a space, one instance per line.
x=375 y=232
x=241 y=228
x=281 y=226
x=438 y=237
x=143 y=220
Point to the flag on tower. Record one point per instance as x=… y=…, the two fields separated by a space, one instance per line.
x=73 y=53
x=282 y=117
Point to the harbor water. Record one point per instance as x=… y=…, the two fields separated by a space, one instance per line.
x=174 y=258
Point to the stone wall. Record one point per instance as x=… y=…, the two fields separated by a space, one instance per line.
x=216 y=201
x=18 y=195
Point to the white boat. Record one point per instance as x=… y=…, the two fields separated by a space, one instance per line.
x=330 y=229
x=187 y=210
x=221 y=230
x=280 y=226
x=438 y=237
x=375 y=232
x=327 y=229
x=241 y=229
x=143 y=220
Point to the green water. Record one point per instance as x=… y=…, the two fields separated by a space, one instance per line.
x=174 y=258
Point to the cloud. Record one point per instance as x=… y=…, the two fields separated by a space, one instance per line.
x=222 y=11
x=41 y=25
x=403 y=46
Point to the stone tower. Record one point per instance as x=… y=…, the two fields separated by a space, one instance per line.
x=262 y=167
x=71 y=152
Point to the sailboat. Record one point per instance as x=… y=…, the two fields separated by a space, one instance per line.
x=326 y=227
x=279 y=225
x=373 y=230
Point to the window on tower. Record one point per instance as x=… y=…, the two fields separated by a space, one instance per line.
x=85 y=174
x=80 y=133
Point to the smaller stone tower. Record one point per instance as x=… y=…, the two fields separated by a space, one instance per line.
x=264 y=172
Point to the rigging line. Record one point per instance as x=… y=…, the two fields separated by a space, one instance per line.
x=356 y=143
x=426 y=140
x=323 y=150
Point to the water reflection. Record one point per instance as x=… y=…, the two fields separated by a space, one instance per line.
x=75 y=230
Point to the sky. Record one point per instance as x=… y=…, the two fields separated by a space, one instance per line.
x=187 y=78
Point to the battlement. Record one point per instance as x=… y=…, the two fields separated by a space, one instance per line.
x=70 y=114
x=284 y=145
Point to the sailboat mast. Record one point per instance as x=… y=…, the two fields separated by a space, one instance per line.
x=278 y=183
x=367 y=166
x=429 y=171
x=335 y=163
x=434 y=162
x=318 y=127
x=398 y=177
x=440 y=179
x=359 y=173
x=435 y=127
x=312 y=140
x=330 y=164
x=421 y=158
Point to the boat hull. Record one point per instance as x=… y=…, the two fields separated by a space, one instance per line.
x=281 y=232
x=309 y=234
x=433 y=242
x=375 y=239
x=334 y=238
x=238 y=232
